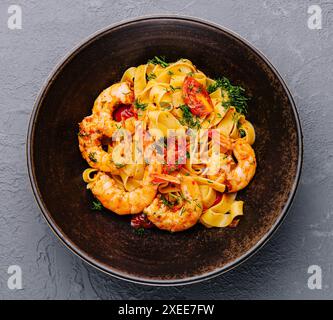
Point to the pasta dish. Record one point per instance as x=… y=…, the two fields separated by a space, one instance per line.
x=169 y=146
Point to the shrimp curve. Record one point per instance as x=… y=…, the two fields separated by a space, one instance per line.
x=178 y=219
x=100 y=124
x=115 y=198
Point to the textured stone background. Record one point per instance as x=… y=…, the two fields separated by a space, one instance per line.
x=278 y=28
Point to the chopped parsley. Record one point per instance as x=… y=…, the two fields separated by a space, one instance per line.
x=170 y=73
x=151 y=76
x=173 y=89
x=165 y=105
x=242 y=133
x=159 y=60
x=97 y=206
x=92 y=156
x=139 y=105
x=197 y=204
x=235 y=119
x=188 y=118
x=139 y=231
x=166 y=202
x=236 y=94
x=119 y=165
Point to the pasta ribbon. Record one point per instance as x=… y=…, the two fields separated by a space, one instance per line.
x=222 y=214
x=86 y=175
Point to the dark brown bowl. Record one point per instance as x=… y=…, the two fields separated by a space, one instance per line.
x=106 y=240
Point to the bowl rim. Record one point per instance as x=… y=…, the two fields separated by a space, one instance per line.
x=93 y=261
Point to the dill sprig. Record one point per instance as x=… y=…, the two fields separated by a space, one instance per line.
x=173 y=89
x=151 y=76
x=236 y=94
x=242 y=133
x=92 y=156
x=139 y=105
x=139 y=231
x=97 y=206
x=166 y=202
x=188 y=118
x=159 y=60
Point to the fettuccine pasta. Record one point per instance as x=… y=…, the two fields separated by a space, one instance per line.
x=170 y=146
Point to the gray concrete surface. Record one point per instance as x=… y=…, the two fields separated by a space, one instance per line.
x=303 y=57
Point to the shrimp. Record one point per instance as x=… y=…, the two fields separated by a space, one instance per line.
x=240 y=176
x=100 y=124
x=119 y=93
x=115 y=198
x=93 y=130
x=177 y=218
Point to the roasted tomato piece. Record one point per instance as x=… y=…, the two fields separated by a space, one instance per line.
x=123 y=112
x=141 y=221
x=197 y=97
x=218 y=198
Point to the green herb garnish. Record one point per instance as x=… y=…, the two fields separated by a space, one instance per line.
x=188 y=118
x=139 y=105
x=242 y=133
x=173 y=89
x=236 y=94
x=166 y=202
x=165 y=105
x=159 y=60
x=151 y=76
x=197 y=204
x=92 y=156
x=97 y=206
x=140 y=231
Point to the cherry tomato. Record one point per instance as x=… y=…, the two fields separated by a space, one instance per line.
x=123 y=112
x=141 y=221
x=197 y=97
